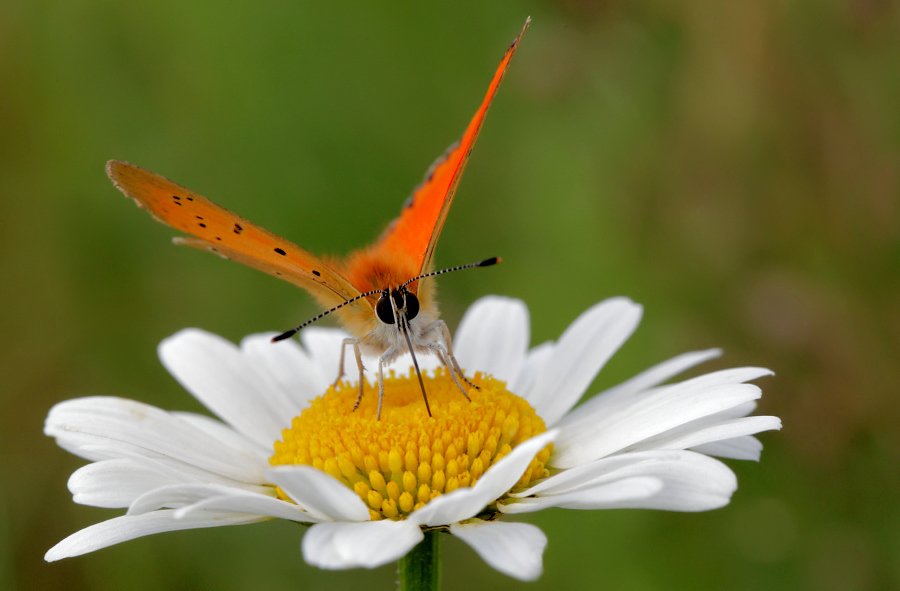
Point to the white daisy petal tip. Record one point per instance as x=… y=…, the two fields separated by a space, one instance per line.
x=128 y=527
x=493 y=336
x=186 y=341
x=337 y=546
x=514 y=549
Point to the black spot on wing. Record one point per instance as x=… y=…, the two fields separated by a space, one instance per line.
x=280 y=251
x=316 y=273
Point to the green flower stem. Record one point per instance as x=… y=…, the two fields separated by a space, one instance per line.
x=420 y=570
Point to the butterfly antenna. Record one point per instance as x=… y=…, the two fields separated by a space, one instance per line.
x=288 y=334
x=484 y=263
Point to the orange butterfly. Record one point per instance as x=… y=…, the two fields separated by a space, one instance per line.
x=378 y=292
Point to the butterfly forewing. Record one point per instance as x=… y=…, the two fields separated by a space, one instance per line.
x=416 y=231
x=225 y=233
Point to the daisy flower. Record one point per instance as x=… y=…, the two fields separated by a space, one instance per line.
x=286 y=445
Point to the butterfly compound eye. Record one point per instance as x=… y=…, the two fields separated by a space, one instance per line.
x=383 y=309
x=412 y=306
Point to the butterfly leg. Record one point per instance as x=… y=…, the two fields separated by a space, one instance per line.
x=380 y=385
x=445 y=334
x=359 y=364
x=388 y=356
x=453 y=369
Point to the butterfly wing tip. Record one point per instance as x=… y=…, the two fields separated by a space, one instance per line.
x=525 y=26
x=113 y=166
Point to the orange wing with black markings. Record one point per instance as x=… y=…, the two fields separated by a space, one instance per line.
x=415 y=233
x=218 y=230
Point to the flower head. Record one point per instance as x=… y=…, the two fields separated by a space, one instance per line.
x=288 y=446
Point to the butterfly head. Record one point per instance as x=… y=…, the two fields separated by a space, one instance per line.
x=397 y=303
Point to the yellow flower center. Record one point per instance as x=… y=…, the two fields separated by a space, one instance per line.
x=399 y=463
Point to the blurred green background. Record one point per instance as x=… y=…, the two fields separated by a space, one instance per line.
x=732 y=166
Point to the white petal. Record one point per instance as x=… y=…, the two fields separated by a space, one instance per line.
x=692 y=482
x=694 y=436
x=174 y=470
x=324 y=348
x=128 y=527
x=656 y=412
x=741 y=410
x=619 y=398
x=353 y=545
x=176 y=495
x=493 y=337
x=226 y=434
x=134 y=427
x=319 y=493
x=694 y=488
x=734 y=375
x=84 y=445
x=533 y=366
x=218 y=375
x=514 y=549
x=80 y=445
x=238 y=501
x=291 y=371
x=738 y=448
x=465 y=503
x=643 y=381
x=580 y=353
x=609 y=495
x=114 y=484
x=600 y=471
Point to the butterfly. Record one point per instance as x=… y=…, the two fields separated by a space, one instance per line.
x=381 y=294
